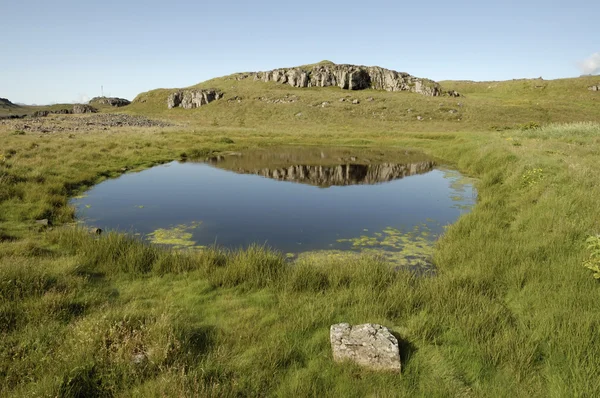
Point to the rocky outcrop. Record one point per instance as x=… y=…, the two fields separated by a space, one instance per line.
x=77 y=109
x=340 y=175
x=193 y=98
x=349 y=77
x=80 y=108
x=368 y=345
x=594 y=88
x=110 y=101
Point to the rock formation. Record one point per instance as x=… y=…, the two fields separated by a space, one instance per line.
x=368 y=345
x=349 y=77
x=77 y=109
x=111 y=101
x=594 y=88
x=340 y=175
x=80 y=108
x=193 y=98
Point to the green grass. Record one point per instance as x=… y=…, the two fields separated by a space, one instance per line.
x=511 y=311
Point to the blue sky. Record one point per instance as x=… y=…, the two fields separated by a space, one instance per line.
x=65 y=50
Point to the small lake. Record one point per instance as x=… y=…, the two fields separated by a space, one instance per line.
x=294 y=200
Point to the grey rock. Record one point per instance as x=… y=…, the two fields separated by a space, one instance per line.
x=44 y=222
x=351 y=77
x=111 y=101
x=193 y=98
x=355 y=102
x=95 y=231
x=452 y=111
x=342 y=99
x=594 y=88
x=368 y=345
x=298 y=114
x=370 y=99
x=324 y=104
x=80 y=108
x=419 y=118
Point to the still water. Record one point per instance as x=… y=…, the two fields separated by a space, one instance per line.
x=294 y=200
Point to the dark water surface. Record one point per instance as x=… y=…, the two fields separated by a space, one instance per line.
x=294 y=200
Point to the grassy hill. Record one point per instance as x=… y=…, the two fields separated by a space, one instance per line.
x=483 y=106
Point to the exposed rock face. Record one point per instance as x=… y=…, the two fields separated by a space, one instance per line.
x=195 y=98
x=112 y=101
x=594 y=88
x=369 y=345
x=341 y=175
x=79 y=108
x=349 y=77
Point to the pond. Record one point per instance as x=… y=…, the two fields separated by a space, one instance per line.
x=295 y=200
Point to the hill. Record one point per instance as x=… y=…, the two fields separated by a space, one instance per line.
x=284 y=97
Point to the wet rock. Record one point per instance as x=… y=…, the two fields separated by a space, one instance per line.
x=194 y=98
x=369 y=345
x=111 y=101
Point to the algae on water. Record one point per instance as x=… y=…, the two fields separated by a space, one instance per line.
x=179 y=236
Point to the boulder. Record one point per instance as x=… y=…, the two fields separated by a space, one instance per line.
x=80 y=108
x=369 y=345
x=594 y=88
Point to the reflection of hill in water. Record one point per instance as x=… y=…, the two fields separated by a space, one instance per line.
x=344 y=174
x=326 y=168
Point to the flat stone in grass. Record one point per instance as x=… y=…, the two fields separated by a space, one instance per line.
x=368 y=345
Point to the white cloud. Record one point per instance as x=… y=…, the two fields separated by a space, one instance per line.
x=82 y=99
x=590 y=65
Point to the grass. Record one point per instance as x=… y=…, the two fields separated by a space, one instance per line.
x=511 y=309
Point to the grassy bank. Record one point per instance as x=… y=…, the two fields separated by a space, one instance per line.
x=512 y=311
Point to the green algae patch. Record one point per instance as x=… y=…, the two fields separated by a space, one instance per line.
x=404 y=248
x=179 y=236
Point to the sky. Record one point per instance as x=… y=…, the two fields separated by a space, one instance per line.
x=69 y=51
